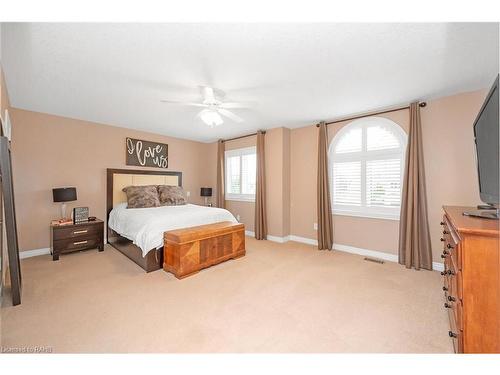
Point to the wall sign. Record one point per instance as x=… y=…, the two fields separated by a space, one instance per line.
x=146 y=154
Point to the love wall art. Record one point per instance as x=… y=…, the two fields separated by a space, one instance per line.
x=146 y=154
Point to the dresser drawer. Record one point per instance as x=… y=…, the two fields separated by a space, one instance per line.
x=72 y=244
x=78 y=231
x=456 y=334
x=451 y=244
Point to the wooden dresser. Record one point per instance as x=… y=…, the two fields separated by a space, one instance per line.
x=76 y=237
x=471 y=280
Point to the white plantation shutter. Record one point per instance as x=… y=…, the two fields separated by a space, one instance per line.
x=366 y=166
x=350 y=142
x=383 y=183
x=380 y=138
x=233 y=174
x=248 y=173
x=347 y=186
x=241 y=168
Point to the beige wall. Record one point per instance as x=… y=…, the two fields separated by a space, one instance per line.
x=245 y=210
x=450 y=167
x=88 y=149
x=50 y=151
x=377 y=234
x=449 y=163
x=277 y=148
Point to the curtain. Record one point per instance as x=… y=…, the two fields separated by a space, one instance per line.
x=260 y=190
x=220 y=174
x=414 y=238
x=325 y=223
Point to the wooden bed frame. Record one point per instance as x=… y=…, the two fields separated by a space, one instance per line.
x=119 y=178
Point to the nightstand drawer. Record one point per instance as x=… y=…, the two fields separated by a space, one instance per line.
x=71 y=244
x=77 y=231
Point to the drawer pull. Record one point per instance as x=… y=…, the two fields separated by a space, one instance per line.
x=445 y=252
x=441 y=223
x=80 y=231
x=451 y=299
x=452 y=334
x=445 y=289
x=447 y=305
x=80 y=242
x=442 y=239
x=449 y=246
x=450 y=272
x=443 y=273
x=445 y=232
x=443 y=256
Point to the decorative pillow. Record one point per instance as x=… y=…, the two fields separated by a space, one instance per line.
x=171 y=195
x=142 y=196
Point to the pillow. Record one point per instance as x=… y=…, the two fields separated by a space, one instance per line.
x=171 y=195
x=142 y=196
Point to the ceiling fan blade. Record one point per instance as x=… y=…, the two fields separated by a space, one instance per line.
x=184 y=103
x=231 y=105
x=229 y=115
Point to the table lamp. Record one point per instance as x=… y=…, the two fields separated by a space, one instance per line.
x=206 y=192
x=64 y=195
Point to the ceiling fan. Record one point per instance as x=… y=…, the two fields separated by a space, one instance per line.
x=213 y=106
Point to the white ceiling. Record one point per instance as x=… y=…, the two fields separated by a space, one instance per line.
x=297 y=74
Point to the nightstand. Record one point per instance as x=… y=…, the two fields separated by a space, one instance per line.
x=76 y=237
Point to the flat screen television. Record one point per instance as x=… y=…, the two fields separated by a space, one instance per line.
x=487 y=141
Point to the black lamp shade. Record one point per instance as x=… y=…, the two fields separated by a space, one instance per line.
x=64 y=194
x=206 y=192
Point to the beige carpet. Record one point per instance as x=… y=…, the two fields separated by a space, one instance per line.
x=278 y=298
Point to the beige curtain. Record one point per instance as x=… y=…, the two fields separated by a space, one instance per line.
x=414 y=239
x=325 y=222
x=260 y=193
x=220 y=174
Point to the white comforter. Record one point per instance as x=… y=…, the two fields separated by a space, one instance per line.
x=145 y=226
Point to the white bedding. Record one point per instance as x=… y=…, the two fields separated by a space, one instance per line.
x=145 y=226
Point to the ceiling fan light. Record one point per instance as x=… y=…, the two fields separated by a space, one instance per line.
x=211 y=118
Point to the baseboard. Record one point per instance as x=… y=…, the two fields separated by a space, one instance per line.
x=278 y=239
x=305 y=240
x=33 y=253
x=437 y=266
x=365 y=252
x=269 y=237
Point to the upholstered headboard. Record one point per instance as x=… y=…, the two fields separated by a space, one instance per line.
x=117 y=179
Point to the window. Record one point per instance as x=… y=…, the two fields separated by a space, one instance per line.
x=241 y=173
x=366 y=161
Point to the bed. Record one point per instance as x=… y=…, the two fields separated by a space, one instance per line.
x=138 y=233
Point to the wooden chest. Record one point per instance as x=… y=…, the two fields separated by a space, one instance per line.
x=188 y=250
x=471 y=281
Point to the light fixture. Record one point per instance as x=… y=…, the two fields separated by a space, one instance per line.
x=211 y=117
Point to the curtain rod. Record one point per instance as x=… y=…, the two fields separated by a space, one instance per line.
x=421 y=104
x=243 y=136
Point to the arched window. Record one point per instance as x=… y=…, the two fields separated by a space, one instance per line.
x=366 y=167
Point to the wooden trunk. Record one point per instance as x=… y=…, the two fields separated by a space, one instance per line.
x=188 y=250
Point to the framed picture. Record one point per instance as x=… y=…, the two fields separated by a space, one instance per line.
x=80 y=214
x=146 y=154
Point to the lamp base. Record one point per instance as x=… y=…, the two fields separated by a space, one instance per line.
x=63 y=211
